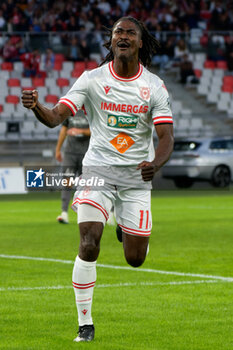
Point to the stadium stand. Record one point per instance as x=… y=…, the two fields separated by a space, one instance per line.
x=199 y=109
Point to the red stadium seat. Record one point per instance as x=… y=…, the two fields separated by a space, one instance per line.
x=51 y=99
x=59 y=57
x=13 y=82
x=63 y=82
x=227 y=88
x=221 y=64
x=57 y=66
x=12 y=99
x=92 y=65
x=1 y=108
x=7 y=66
x=198 y=73
x=204 y=40
x=209 y=64
x=80 y=65
x=37 y=82
x=76 y=73
x=228 y=80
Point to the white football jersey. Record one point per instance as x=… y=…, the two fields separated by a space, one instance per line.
x=121 y=113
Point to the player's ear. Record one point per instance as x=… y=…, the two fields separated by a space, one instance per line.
x=140 y=44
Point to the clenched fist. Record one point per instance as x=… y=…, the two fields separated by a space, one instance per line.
x=29 y=98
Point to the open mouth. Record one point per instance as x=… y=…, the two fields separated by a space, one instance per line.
x=123 y=45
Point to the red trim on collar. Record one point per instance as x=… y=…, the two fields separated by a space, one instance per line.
x=110 y=65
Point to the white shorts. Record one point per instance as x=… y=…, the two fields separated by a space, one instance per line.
x=132 y=208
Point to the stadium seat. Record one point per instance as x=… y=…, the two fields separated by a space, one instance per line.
x=204 y=40
x=183 y=124
x=13 y=82
x=1 y=108
x=63 y=82
x=212 y=96
x=12 y=99
x=91 y=65
x=9 y=109
x=225 y=96
x=51 y=99
x=218 y=72
x=80 y=65
x=202 y=89
x=15 y=91
x=40 y=131
x=227 y=88
x=3 y=92
x=38 y=82
x=196 y=123
x=76 y=73
x=2 y=130
x=55 y=90
x=18 y=66
x=198 y=73
x=50 y=82
x=209 y=64
x=57 y=66
x=26 y=82
x=28 y=126
x=68 y=67
x=228 y=79
x=221 y=64
x=21 y=112
x=176 y=107
x=216 y=82
x=222 y=106
x=186 y=112
x=59 y=57
x=65 y=89
x=7 y=66
x=5 y=74
x=207 y=73
x=42 y=91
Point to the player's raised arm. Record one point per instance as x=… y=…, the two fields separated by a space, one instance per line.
x=162 y=154
x=50 y=117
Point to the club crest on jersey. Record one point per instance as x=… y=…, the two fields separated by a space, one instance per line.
x=106 y=89
x=145 y=93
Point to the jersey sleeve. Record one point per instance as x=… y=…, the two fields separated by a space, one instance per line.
x=76 y=96
x=161 y=110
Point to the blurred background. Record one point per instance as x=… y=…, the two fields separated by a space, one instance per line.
x=48 y=44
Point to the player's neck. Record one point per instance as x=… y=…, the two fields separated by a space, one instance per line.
x=125 y=69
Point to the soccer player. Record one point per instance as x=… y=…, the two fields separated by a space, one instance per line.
x=75 y=130
x=123 y=101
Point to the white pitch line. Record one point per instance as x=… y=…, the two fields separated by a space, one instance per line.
x=116 y=267
x=13 y=289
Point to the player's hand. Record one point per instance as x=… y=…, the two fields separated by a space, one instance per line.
x=58 y=156
x=29 y=98
x=148 y=169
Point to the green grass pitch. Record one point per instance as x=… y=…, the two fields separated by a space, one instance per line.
x=189 y=308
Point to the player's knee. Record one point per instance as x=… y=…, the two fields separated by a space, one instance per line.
x=134 y=260
x=90 y=237
x=89 y=247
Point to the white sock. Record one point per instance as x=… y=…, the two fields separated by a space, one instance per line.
x=84 y=277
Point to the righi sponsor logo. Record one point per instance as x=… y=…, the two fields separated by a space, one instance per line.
x=128 y=122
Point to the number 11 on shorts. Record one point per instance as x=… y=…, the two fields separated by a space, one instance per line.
x=144 y=218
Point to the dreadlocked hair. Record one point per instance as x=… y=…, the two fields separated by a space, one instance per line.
x=149 y=44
